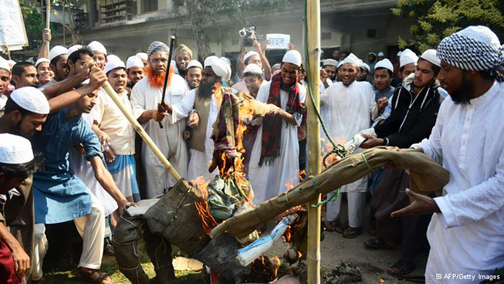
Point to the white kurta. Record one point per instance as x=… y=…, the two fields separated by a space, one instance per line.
x=168 y=139
x=83 y=169
x=199 y=161
x=467 y=237
x=270 y=180
x=351 y=109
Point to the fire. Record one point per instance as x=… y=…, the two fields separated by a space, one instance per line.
x=207 y=220
x=302 y=173
x=327 y=147
x=289 y=184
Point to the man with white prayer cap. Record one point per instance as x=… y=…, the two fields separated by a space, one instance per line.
x=17 y=162
x=352 y=106
x=135 y=69
x=144 y=57
x=371 y=62
x=44 y=72
x=252 y=57
x=120 y=150
x=182 y=56
x=99 y=53
x=58 y=63
x=380 y=56
x=407 y=63
x=384 y=71
x=274 y=161
x=194 y=73
x=364 y=71
x=465 y=233
x=146 y=103
x=201 y=105
x=330 y=66
x=5 y=76
x=415 y=105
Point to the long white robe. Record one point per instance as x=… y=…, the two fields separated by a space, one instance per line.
x=270 y=180
x=467 y=237
x=351 y=109
x=168 y=139
x=199 y=161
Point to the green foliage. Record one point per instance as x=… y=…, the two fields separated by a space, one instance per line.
x=436 y=19
x=33 y=21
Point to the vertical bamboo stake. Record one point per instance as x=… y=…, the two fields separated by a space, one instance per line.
x=314 y=153
x=48 y=22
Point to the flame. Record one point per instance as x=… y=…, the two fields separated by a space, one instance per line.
x=289 y=184
x=382 y=280
x=302 y=173
x=327 y=147
x=207 y=220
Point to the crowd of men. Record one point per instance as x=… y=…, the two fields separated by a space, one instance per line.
x=67 y=152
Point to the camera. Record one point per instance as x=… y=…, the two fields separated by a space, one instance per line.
x=248 y=35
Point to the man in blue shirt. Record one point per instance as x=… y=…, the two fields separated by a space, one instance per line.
x=60 y=196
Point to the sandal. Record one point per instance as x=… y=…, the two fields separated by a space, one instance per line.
x=402 y=268
x=377 y=243
x=332 y=226
x=342 y=228
x=92 y=275
x=352 y=233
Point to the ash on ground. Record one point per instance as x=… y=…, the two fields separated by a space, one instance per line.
x=343 y=274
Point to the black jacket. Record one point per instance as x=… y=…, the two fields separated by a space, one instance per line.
x=412 y=117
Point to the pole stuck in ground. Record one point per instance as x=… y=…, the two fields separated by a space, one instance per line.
x=48 y=22
x=314 y=152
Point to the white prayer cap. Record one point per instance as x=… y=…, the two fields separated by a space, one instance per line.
x=194 y=63
x=31 y=99
x=372 y=53
x=15 y=149
x=399 y=53
x=381 y=53
x=114 y=62
x=218 y=66
x=142 y=55
x=385 y=63
x=249 y=54
x=4 y=64
x=11 y=63
x=430 y=55
x=41 y=60
x=253 y=69
x=330 y=62
x=96 y=46
x=134 y=61
x=73 y=49
x=226 y=60
x=57 y=51
x=293 y=57
x=407 y=57
x=351 y=58
x=363 y=65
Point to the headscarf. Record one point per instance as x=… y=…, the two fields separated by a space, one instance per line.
x=219 y=67
x=157 y=46
x=184 y=48
x=474 y=48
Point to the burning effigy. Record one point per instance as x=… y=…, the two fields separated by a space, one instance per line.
x=215 y=221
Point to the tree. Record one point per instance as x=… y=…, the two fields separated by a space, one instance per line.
x=203 y=14
x=33 y=21
x=436 y=19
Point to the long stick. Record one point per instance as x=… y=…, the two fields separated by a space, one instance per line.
x=48 y=22
x=139 y=129
x=314 y=153
x=167 y=74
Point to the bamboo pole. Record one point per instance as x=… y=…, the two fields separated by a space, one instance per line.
x=48 y=22
x=139 y=129
x=314 y=152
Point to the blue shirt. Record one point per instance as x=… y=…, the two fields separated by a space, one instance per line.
x=59 y=195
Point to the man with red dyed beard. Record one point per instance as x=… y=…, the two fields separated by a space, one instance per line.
x=145 y=99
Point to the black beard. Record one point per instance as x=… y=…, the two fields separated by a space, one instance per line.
x=16 y=130
x=463 y=94
x=204 y=90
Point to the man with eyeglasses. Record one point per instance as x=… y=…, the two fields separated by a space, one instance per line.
x=145 y=100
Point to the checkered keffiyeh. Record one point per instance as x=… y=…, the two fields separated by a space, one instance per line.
x=470 y=53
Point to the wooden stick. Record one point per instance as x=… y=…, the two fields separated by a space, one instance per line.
x=48 y=22
x=314 y=153
x=139 y=129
